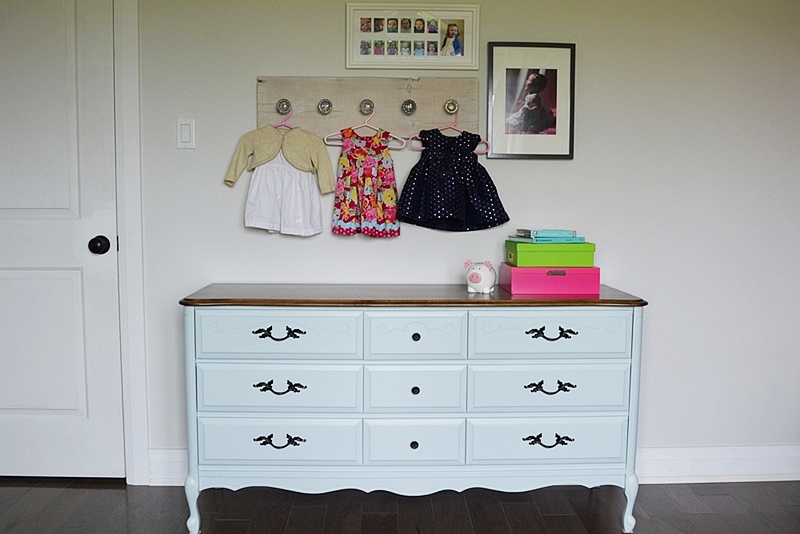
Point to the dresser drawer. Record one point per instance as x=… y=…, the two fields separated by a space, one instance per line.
x=415 y=388
x=550 y=333
x=278 y=333
x=547 y=440
x=239 y=441
x=516 y=388
x=416 y=334
x=414 y=441
x=272 y=387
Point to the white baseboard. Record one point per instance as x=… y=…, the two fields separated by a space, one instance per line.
x=168 y=467
x=718 y=464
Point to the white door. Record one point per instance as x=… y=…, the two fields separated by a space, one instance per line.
x=60 y=383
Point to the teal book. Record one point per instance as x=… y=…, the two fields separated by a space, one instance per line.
x=538 y=239
x=544 y=232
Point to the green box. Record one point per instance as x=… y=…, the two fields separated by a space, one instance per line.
x=550 y=254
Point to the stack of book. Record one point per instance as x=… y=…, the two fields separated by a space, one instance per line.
x=549 y=262
x=526 y=235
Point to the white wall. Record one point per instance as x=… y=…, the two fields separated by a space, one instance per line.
x=686 y=175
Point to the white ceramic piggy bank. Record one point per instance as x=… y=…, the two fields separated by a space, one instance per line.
x=480 y=276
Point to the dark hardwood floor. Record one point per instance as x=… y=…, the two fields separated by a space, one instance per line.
x=88 y=506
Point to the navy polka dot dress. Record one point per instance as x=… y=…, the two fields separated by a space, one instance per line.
x=448 y=189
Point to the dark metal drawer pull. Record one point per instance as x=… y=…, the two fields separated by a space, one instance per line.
x=537 y=440
x=562 y=333
x=414 y=445
x=415 y=336
x=539 y=386
x=293 y=333
x=290 y=440
x=293 y=387
x=415 y=390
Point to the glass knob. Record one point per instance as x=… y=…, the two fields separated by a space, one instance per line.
x=325 y=106
x=283 y=106
x=366 y=106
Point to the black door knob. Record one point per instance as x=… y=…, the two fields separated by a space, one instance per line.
x=99 y=244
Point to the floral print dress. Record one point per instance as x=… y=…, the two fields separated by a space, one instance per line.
x=366 y=190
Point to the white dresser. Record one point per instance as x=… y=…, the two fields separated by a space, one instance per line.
x=410 y=389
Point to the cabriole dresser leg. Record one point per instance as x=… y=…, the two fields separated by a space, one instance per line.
x=631 y=490
x=190 y=487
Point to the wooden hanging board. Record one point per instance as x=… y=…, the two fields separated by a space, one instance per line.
x=387 y=94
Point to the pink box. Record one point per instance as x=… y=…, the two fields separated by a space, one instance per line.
x=550 y=280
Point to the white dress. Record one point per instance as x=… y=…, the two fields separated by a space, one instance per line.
x=283 y=199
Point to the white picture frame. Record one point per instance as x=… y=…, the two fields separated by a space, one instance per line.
x=388 y=36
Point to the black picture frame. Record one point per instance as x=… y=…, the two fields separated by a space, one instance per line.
x=531 y=107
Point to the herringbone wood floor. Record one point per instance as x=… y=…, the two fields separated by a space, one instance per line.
x=88 y=506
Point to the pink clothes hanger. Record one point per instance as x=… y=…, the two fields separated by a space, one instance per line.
x=335 y=138
x=485 y=150
x=284 y=123
x=454 y=127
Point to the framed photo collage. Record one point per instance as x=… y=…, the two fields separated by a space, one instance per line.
x=407 y=36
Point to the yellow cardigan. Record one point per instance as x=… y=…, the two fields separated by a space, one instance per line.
x=303 y=150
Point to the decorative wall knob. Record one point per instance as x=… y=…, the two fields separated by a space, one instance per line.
x=366 y=106
x=325 y=106
x=283 y=106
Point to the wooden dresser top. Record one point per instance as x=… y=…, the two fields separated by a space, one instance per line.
x=398 y=295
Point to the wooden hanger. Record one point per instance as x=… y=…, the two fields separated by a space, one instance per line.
x=454 y=127
x=335 y=138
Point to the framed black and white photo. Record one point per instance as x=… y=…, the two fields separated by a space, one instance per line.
x=531 y=100
x=411 y=36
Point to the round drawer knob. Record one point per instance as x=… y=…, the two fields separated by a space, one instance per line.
x=416 y=336
x=414 y=445
x=415 y=390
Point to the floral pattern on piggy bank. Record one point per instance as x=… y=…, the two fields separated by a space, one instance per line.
x=481 y=276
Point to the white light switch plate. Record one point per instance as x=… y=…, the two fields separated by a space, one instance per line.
x=185 y=129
